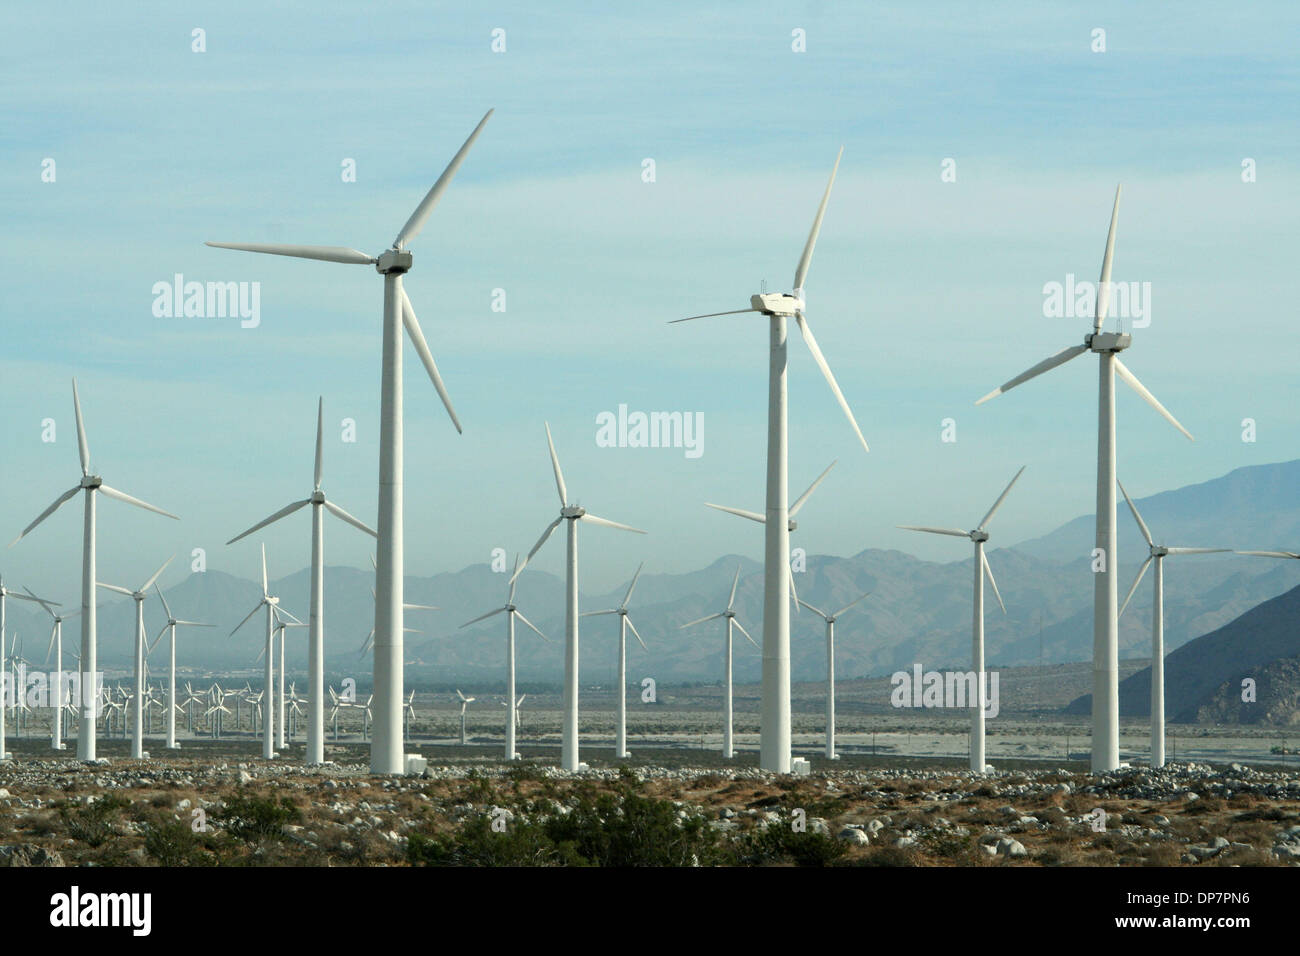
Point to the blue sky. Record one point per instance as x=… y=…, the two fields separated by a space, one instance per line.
x=924 y=294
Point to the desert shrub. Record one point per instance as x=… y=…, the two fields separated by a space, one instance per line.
x=887 y=856
x=94 y=823
x=475 y=843
x=627 y=829
x=174 y=843
x=778 y=843
x=253 y=819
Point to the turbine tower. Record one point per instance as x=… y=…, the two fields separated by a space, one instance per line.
x=779 y=307
x=57 y=693
x=137 y=703
x=1156 y=553
x=12 y=691
x=316 y=615
x=386 y=746
x=511 y=613
x=464 y=706
x=572 y=514
x=624 y=622
x=830 y=620
x=1105 y=604
x=170 y=627
x=729 y=615
x=89 y=657
x=982 y=571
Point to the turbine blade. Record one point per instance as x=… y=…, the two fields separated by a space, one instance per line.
x=801 y=271
x=550 y=528
x=631 y=587
x=113 y=587
x=636 y=635
x=340 y=513
x=264 y=583
x=735 y=582
x=320 y=421
x=166 y=609
x=988 y=573
x=83 y=448
x=1272 y=554
x=745 y=632
x=1142 y=525
x=530 y=624
x=855 y=603
x=421 y=607
x=123 y=496
x=1103 y=288
x=612 y=610
x=1136 y=581
x=751 y=515
x=998 y=504
x=710 y=315
x=711 y=617
x=1197 y=550
x=794 y=508
x=323 y=253
x=46 y=513
x=511 y=598
x=148 y=584
x=949 y=531
x=422 y=349
x=1131 y=380
x=154 y=644
x=50 y=650
x=609 y=524
x=286 y=510
x=1046 y=365
x=811 y=342
x=555 y=466
x=246 y=620
x=794 y=593
x=815 y=610
x=422 y=211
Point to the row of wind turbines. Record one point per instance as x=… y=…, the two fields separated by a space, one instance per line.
x=777 y=518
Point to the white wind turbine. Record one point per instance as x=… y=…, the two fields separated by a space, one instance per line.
x=1156 y=553
x=511 y=612
x=830 y=620
x=316 y=614
x=89 y=619
x=1105 y=607
x=729 y=615
x=268 y=712
x=137 y=712
x=514 y=711
x=779 y=307
x=464 y=706
x=386 y=751
x=624 y=622
x=282 y=700
x=572 y=514
x=172 y=706
x=57 y=693
x=12 y=691
x=982 y=571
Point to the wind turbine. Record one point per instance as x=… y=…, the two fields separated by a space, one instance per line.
x=514 y=711
x=830 y=620
x=57 y=693
x=982 y=570
x=779 y=307
x=316 y=615
x=730 y=616
x=572 y=514
x=89 y=620
x=11 y=690
x=170 y=628
x=386 y=751
x=1105 y=605
x=511 y=613
x=268 y=713
x=624 y=622
x=464 y=705
x=137 y=713
x=1156 y=554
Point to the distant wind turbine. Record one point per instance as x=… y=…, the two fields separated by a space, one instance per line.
x=12 y=692
x=572 y=514
x=830 y=620
x=268 y=698
x=57 y=692
x=729 y=615
x=779 y=307
x=1105 y=605
x=137 y=704
x=89 y=629
x=464 y=706
x=982 y=571
x=624 y=622
x=316 y=613
x=170 y=628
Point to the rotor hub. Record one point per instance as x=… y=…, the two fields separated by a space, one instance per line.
x=978 y=535
x=1159 y=551
x=572 y=512
x=91 y=481
x=318 y=497
x=394 y=261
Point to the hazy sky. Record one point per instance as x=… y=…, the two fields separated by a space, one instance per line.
x=924 y=294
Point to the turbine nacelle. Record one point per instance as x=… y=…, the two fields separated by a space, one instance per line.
x=572 y=512
x=317 y=497
x=776 y=303
x=394 y=261
x=979 y=535
x=1107 y=341
x=91 y=481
